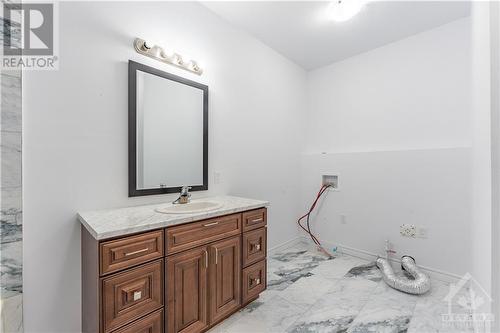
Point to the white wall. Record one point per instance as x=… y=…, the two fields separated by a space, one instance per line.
x=379 y=191
x=481 y=159
x=395 y=124
x=75 y=146
x=495 y=141
x=410 y=94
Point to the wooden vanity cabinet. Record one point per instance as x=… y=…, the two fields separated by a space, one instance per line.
x=184 y=278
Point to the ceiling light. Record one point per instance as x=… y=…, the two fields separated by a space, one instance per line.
x=343 y=10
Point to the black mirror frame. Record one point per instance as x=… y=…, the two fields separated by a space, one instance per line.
x=133 y=191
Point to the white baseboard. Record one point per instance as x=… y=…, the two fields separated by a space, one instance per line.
x=433 y=273
x=284 y=245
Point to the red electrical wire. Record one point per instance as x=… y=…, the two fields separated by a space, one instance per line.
x=308 y=214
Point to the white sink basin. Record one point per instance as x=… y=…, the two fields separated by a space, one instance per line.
x=189 y=208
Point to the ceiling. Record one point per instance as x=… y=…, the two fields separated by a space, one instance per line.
x=301 y=32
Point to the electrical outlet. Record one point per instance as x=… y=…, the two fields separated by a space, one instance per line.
x=217 y=177
x=343 y=219
x=408 y=230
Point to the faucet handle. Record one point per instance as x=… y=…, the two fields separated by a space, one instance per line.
x=185 y=190
x=185 y=196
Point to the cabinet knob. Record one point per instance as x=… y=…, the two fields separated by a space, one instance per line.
x=255 y=246
x=255 y=281
x=137 y=295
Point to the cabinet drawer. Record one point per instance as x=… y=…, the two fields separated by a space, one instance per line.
x=254 y=219
x=129 y=251
x=131 y=294
x=152 y=323
x=191 y=235
x=254 y=246
x=254 y=281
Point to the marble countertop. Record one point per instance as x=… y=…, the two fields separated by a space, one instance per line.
x=103 y=224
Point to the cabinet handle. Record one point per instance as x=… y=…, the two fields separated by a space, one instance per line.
x=210 y=224
x=216 y=255
x=257 y=220
x=206 y=258
x=135 y=252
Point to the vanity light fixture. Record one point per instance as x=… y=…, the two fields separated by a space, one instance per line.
x=156 y=52
x=343 y=10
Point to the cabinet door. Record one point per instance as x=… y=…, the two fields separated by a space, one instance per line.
x=187 y=291
x=224 y=278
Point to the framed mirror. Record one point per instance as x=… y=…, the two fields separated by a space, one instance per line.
x=168 y=132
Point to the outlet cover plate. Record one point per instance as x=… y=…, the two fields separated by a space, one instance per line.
x=408 y=230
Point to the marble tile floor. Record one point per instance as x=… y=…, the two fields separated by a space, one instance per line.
x=310 y=293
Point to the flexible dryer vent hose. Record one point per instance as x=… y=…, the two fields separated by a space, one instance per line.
x=419 y=285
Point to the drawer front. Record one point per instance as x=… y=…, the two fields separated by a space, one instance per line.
x=191 y=235
x=254 y=281
x=132 y=294
x=126 y=252
x=152 y=323
x=254 y=219
x=254 y=246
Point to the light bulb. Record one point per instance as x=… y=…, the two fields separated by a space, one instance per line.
x=178 y=59
x=156 y=51
x=343 y=10
x=145 y=46
x=194 y=66
x=163 y=54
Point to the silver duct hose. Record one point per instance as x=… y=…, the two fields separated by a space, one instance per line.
x=420 y=283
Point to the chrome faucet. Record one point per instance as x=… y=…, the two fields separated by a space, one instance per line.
x=185 y=196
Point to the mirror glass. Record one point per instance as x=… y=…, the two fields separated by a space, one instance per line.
x=169 y=113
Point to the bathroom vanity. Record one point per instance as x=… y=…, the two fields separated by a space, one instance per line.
x=170 y=268
x=146 y=271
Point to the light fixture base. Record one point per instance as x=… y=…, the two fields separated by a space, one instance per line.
x=157 y=53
